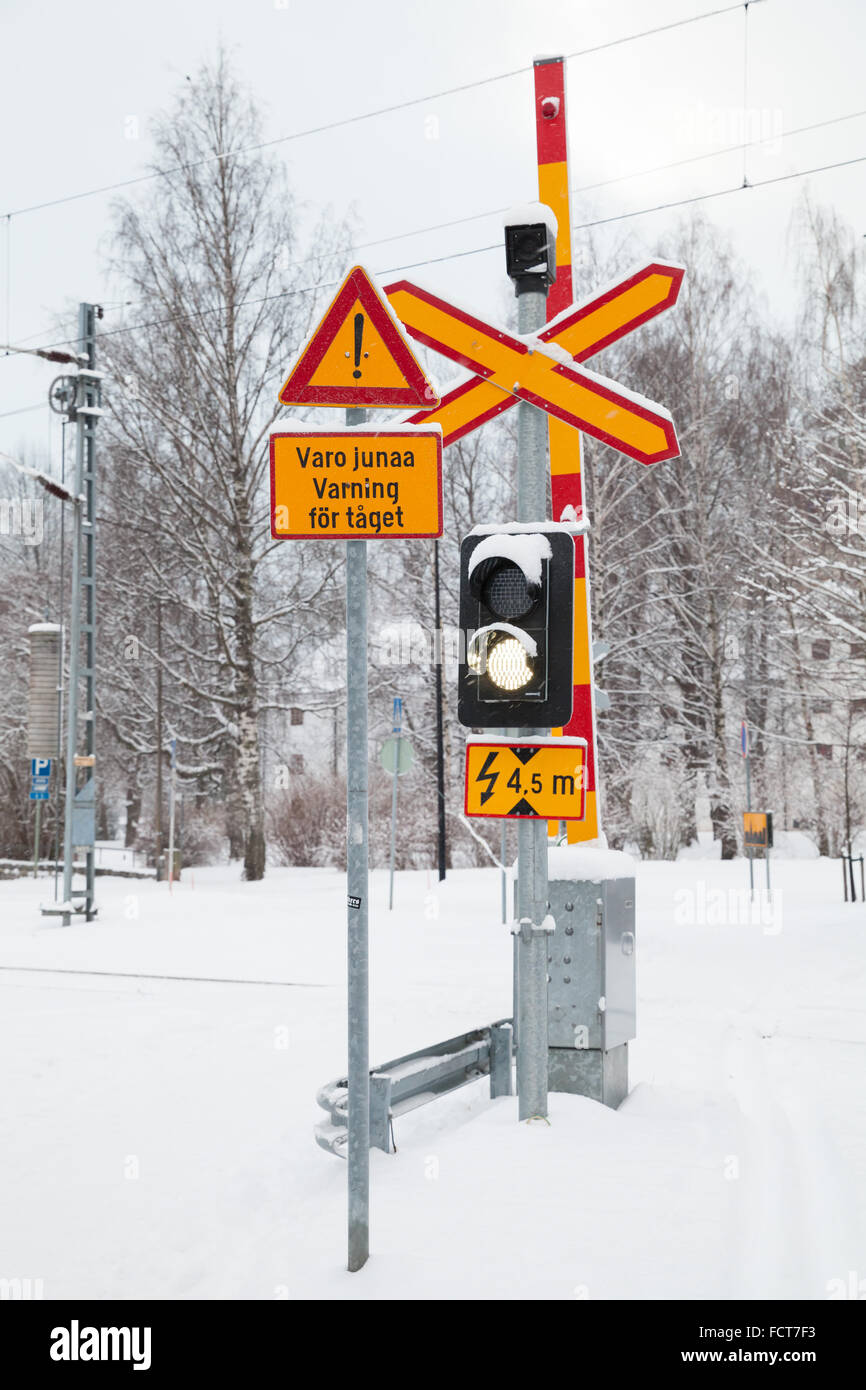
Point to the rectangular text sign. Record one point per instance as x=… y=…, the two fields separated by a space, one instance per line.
x=535 y=780
x=351 y=485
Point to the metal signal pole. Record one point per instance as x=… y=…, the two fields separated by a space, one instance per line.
x=172 y=794
x=531 y=1021
x=749 y=850
x=158 y=793
x=396 y=731
x=357 y=883
x=440 y=740
x=87 y=412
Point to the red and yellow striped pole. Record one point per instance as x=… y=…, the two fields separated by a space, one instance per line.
x=565 y=445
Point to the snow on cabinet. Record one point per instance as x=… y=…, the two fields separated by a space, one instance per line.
x=591 y=972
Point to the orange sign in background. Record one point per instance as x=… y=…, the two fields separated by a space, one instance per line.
x=758 y=829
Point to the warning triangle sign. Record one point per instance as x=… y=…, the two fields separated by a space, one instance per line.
x=358 y=356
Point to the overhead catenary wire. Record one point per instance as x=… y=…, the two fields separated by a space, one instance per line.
x=371 y=115
x=414 y=101
x=720 y=192
x=480 y=250
x=716 y=154
x=22 y=409
x=623 y=178
x=583 y=188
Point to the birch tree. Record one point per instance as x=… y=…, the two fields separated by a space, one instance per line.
x=222 y=301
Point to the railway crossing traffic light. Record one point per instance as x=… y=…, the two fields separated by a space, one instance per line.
x=517 y=622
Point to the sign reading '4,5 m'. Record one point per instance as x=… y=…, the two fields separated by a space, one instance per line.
x=541 y=779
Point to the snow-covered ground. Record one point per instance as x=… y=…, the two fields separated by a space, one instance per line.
x=157 y=1133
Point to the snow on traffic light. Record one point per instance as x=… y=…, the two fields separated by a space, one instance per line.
x=517 y=618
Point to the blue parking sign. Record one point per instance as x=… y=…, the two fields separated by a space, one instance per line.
x=40 y=777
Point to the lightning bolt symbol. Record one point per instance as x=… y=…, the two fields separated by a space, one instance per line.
x=485 y=776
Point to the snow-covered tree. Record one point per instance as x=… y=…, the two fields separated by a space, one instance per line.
x=222 y=303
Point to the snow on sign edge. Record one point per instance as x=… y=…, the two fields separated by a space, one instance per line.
x=399 y=326
x=291 y=425
x=543 y=740
x=616 y=388
x=516 y=528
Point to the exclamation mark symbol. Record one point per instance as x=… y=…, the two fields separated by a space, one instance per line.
x=359 y=335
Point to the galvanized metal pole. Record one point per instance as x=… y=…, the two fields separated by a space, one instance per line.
x=438 y=653
x=357 y=864
x=36 y=836
x=503 y=850
x=60 y=653
x=158 y=793
x=749 y=850
x=82 y=547
x=72 y=699
x=92 y=398
x=532 y=943
x=396 y=728
x=172 y=791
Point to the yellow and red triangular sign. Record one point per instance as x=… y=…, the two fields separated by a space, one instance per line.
x=358 y=356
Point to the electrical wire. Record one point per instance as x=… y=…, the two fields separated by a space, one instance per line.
x=480 y=250
x=22 y=410
x=371 y=115
x=494 y=212
x=722 y=192
x=715 y=154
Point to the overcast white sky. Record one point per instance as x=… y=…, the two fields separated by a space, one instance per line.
x=78 y=82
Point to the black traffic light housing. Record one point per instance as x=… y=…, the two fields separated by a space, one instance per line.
x=530 y=256
x=517 y=626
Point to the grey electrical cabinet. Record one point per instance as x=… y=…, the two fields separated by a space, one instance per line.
x=591 y=987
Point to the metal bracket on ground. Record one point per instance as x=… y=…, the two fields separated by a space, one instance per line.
x=411 y=1081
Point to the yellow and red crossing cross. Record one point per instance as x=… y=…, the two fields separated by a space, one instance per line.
x=546 y=370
